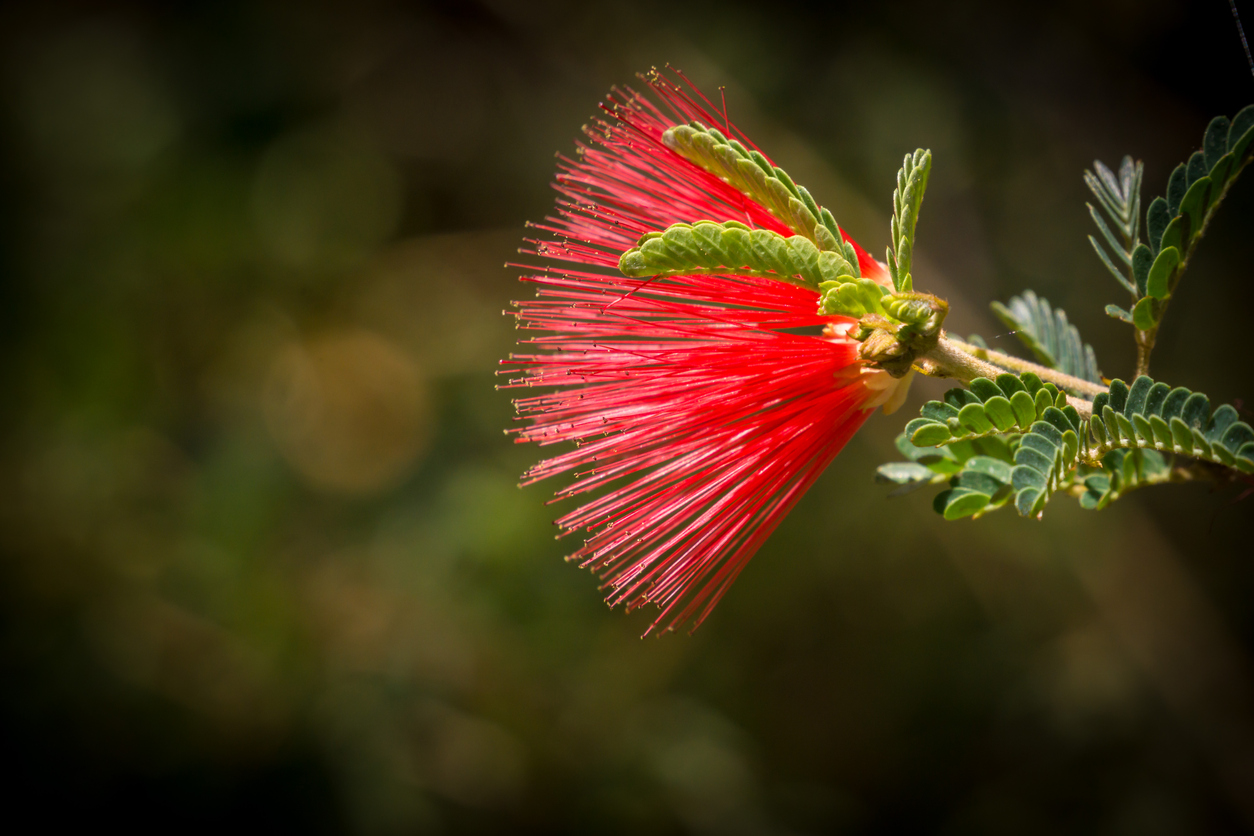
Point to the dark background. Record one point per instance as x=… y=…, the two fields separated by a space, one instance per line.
x=263 y=562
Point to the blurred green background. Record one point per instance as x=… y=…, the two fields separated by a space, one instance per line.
x=263 y=562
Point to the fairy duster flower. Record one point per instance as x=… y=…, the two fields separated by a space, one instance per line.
x=702 y=402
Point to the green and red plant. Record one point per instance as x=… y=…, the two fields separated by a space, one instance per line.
x=710 y=338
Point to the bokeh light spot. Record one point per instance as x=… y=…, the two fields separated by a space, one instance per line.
x=349 y=411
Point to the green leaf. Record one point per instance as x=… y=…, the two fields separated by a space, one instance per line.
x=961 y=502
x=993 y=447
x=707 y=247
x=1024 y=408
x=985 y=410
x=1156 y=221
x=926 y=466
x=1178 y=232
x=1110 y=265
x=1123 y=471
x=989 y=466
x=943 y=464
x=1173 y=404
x=853 y=298
x=907 y=200
x=1220 y=175
x=979 y=460
x=1242 y=127
x=1162 y=432
x=1144 y=315
x=1177 y=221
x=1120 y=198
x=1110 y=192
x=1193 y=209
x=1058 y=419
x=1155 y=398
x=1151 y=417
x=1028 y=501
x=964 y=503
x=958 y=398
x=1118 y=313
x=1160 y=275
x=909 y=450
x=1224 y=417
x=1120 y=195
x=1177 y=185
x=1134 y=401
x=1049 y=335
x=753 y=175
x=908 y=476
x=938 y=411
x=900 y=473
x=983 y=388
x=1049 y=448
x=1181 y=435
x=976 y=480
x=1010 y=385
x=1117 y=395
x=1196 y=168
x=1036 y=462
x=1237 y=437
x=1142 y=260
x=1110 y=237
x=1196 y=411
x=1001 y=413
x=972 y=417
x=930 y=435
x=1045 y=458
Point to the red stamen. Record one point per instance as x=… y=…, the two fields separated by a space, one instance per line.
x=700 y=415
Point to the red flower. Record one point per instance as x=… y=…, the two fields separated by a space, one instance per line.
x=692 y=400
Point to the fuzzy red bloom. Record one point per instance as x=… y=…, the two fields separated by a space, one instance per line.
x=702 y=407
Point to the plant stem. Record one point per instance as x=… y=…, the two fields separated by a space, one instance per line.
x=1144 y=345
x=1006 y=361
x=959 y=360
x=949 y=359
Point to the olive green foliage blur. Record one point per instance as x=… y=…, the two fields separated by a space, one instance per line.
x=263 y=559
